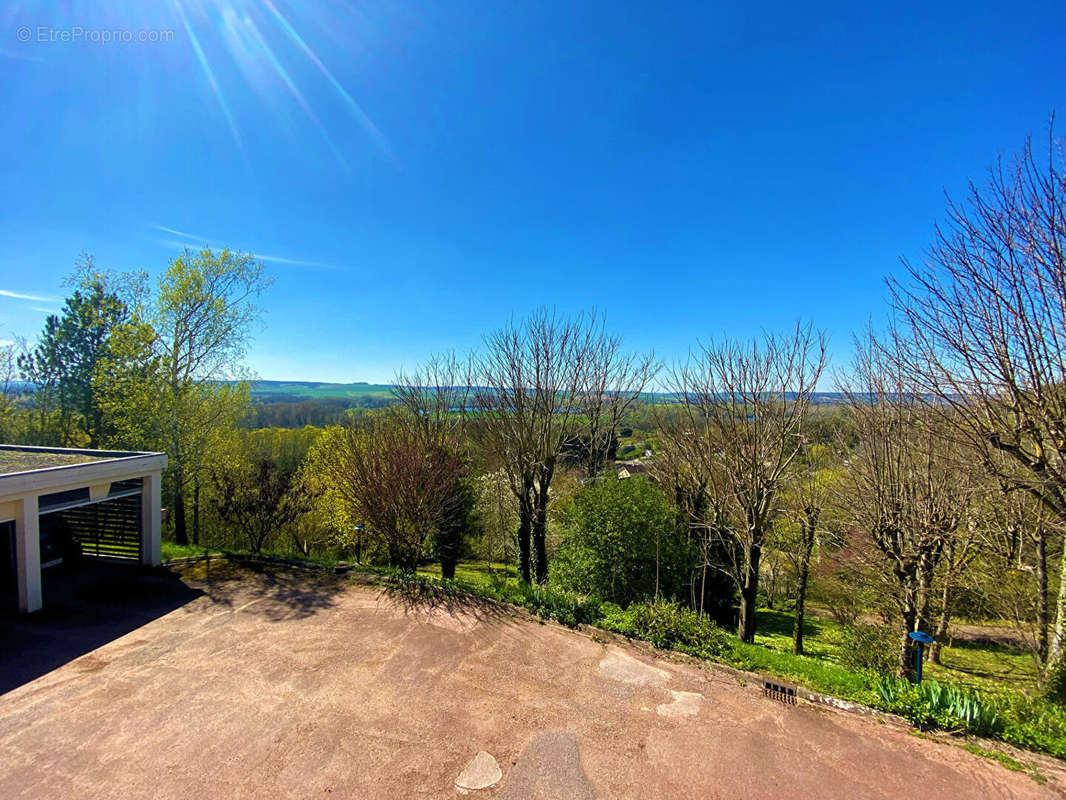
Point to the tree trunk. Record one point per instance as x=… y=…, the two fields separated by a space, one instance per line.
x=925 y=591
x=196 y=513
x=525 y=513
x=801 y=591
x=540 y=524
x=748 y=594
x=1041 y=597
x=448 y=546
x=181 y=534
x=771 y=588
x=906 y=666
x=942 y=623
x=447 y=569
x=540 y=543
x=1055 y=668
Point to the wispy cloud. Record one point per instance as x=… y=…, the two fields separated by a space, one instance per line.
x=296 y=261
x=182 y=234
x=195 y=240
x=44 y=310
x=21 y=296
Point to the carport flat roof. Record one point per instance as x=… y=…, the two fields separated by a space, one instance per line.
x=42 y=469
x=14 y=460
x=17 y=458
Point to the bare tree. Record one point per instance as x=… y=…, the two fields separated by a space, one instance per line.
x=612 y=384
x=438 y=396
x=529 y=384
x=257 y=497
x=985 y=328
x=10 y=389
x=961 y=548
x=808 y=494
x=902 y=488
x=689 y=471
x=1019 y=537
x=381 y=470
x=744 y=405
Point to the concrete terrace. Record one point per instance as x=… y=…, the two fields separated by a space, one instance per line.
x=249 y=683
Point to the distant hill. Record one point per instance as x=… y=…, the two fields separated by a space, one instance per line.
x=295 y=391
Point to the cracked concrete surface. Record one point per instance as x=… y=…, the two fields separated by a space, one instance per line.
x=685 y=704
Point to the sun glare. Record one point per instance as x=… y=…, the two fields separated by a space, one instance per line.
x=260 y=49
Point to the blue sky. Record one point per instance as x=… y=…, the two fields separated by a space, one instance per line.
x=414 y=173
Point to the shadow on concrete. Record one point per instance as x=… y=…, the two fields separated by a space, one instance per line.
x=420 y=595
x=275 y=592
x=86 y=606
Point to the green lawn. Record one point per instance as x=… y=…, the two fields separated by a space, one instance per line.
x=981 y=666
x=172 y=550
x=483 y=573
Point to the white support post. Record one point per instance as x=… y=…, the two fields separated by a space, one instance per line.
x=151 y=522
x=28 y=554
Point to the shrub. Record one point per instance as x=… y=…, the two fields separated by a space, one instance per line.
x=669 y=626
x=569 y=608
x=873 y=648
x=1033 y=723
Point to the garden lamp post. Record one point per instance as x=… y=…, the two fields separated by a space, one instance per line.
x=922 y=639
x=358 y=543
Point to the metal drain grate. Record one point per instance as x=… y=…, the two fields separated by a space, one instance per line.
x=783 y=694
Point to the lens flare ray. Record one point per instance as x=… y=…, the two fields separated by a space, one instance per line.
x=360 y=115
x=245 y=35
x=209 y=73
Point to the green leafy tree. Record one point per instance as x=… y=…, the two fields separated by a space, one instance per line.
x=204 y=313
x=63 y=365
x=257 y=495
x=128 y=389
x=621 y=543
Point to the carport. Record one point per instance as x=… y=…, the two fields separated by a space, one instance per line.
x=59 y=505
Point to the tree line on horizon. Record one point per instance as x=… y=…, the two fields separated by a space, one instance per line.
x=937 y=486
